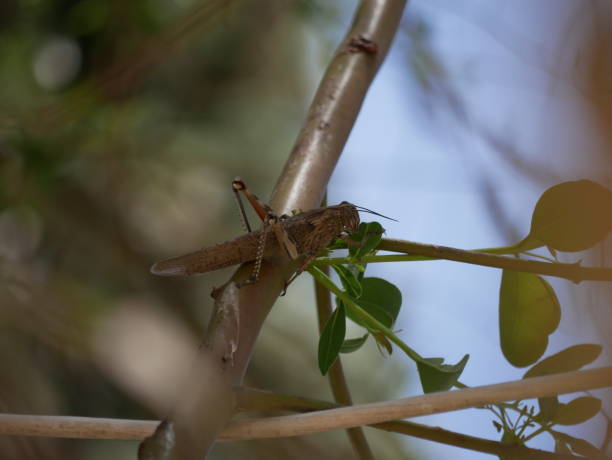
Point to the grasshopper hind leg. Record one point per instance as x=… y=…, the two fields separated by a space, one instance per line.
x=261 y=246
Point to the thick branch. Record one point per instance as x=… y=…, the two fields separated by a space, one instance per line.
x=301 y=186
x=573 y=272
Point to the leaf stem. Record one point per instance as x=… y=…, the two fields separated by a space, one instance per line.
x=420 y=251
x=372 y=322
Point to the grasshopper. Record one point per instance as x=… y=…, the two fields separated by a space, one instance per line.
x=303 y=235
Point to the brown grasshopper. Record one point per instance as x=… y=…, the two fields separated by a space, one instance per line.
x=304 y=234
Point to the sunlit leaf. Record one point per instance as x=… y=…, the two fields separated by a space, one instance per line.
x=577 y=411
x=437 y=376
x=561 y=447
x=572 y=216
x=351 y=345
x=528 y=312
x=331 y=339
x=578 y=445
x=570 y=359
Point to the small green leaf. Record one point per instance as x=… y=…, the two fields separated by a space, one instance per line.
x=528 y=312
x=570 y=359
x=351 y=345
x=349 y=281
x=436 y=376
x=577 y=411
x=332 y=338
x=379 y=298
x=572 y=216
x=368 y=236
x=578 y=446
x=383 y=293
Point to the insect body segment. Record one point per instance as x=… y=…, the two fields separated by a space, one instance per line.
x=302 y=235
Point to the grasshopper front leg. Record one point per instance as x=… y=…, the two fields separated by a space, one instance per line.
x=270 y=220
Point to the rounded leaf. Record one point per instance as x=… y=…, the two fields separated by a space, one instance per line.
x=528 y=312
x=385 y=295
x=572 y=216
x=577 y=411
x=570 y=359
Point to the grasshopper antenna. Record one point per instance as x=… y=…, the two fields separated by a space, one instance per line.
x=362 y=209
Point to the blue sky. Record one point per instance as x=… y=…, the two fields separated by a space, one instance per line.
x=427 y=172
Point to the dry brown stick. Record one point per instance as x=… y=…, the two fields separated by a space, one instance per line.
x=259 y=400
x=337 y=379
x=300 y=186
x=377 y=413
x=433 y=403
x=103 y=428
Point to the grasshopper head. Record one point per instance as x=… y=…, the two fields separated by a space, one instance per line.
x=348 y=216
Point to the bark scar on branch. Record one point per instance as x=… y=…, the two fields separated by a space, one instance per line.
x=361 y=43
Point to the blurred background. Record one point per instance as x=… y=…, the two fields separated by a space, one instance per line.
x=122 y=125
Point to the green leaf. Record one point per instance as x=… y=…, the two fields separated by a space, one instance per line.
x=548 y=408
x=351 y=345
x=379 y=298
x=577 y=411
x=570 y=359
x=349 y=281
x=572 y=216
x=528 y=312
x=368 y=236
x=383 y=293
x=332 y=338
x=578 y=446
x=437 y=376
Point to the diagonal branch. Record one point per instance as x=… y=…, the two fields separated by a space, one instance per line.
x=329 y=417
x=301 y=186
x=433 y=403
x=573 y=272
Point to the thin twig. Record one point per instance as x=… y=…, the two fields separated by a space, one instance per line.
x=573 y=272
x=337 y=379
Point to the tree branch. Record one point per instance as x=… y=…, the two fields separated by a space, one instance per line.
x=259 y=400
x=573 y=272
x=433 y=403
x=301 y=186
x=377 y=414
